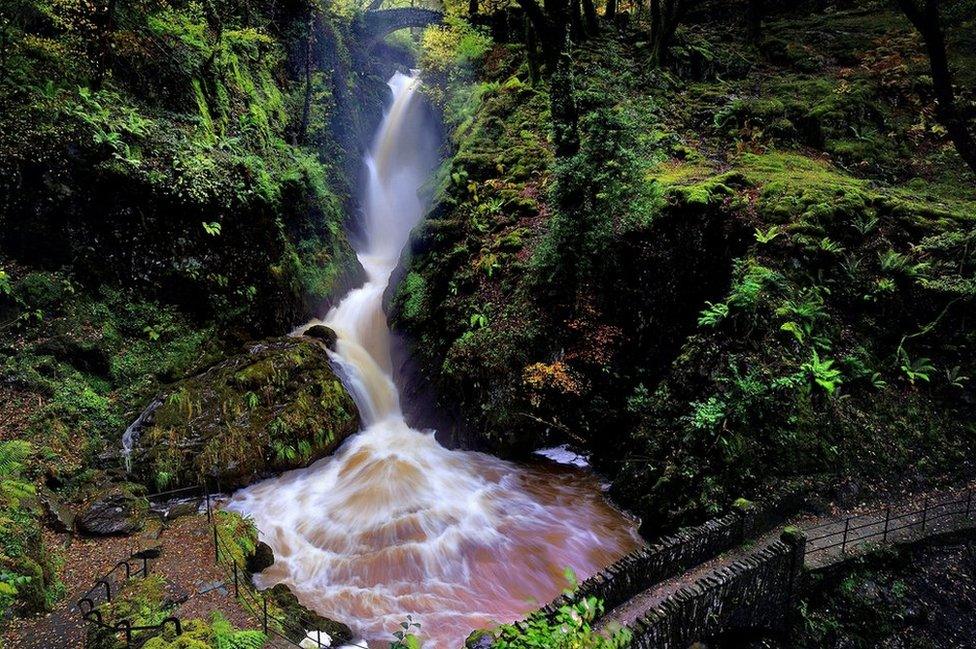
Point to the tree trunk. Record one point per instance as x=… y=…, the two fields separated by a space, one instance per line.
x=565 y=117
x=576 y=22
x=532 y=53
x=926 y=21
x=549 y=26
x=666 y=15
x=610 y=12
x=589 y=14
x=104 y=53
x=472 y=7
x=754 y=18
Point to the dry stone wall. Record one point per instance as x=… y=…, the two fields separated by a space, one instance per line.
x=687 y=548
x=757 y=591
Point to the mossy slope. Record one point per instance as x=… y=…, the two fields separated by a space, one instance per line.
x=755 y=268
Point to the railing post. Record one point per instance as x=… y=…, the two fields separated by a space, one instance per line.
x=925 y=513
x=237 y=592
x=847 y=526
x=206 y=490
x=265 y=622
x=108 y=589
x=884 y=538
x=216 y=546
x=145 y=566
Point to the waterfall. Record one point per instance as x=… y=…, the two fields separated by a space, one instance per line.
x=394 y=523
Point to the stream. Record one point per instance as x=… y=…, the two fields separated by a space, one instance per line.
x=394 y=524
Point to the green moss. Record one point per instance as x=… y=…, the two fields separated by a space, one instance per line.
x=215 y=633
x=275 y=407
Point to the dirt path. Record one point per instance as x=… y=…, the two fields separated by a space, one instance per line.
x=831 y=539
x=186 y=562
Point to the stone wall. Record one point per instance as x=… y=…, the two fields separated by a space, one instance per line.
x=757 y=591
x=687 y=548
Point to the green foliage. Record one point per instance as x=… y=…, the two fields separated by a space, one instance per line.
x=406 y=636
x=823 y=372
x=215 y=633
x=571 y=628
x=27 y=578
x=449 y=56
x=768 y=235
x=914 y=369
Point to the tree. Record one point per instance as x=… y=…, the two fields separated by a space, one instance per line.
x=754 y=17
x=589 y=14
x=550 y=24
x=666 y=15
x=925 y=16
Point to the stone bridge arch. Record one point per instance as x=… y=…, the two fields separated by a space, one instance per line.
x=380 y=22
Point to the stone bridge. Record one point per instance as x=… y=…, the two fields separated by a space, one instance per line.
x=380 y=22
x=738 y=573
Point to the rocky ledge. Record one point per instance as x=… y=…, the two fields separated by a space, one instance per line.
x=276 y=406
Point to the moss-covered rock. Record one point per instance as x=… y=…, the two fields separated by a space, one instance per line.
x=115 y=510
x=276 y=406
x=298 y=620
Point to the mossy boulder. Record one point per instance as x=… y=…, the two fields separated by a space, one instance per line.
x=115 y=510
x=276 y=406
x=298 y=620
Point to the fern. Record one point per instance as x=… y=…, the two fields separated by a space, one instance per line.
x=828 y=245
x=768 y=235
x=713 y=314
x=12 y=455
x=918 y=369
x=823 y=373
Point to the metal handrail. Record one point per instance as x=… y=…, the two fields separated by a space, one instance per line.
x=933 y=510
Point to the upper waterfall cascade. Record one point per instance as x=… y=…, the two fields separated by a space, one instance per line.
x=394 y=523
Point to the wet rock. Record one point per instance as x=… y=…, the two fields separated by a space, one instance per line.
x=116 y=511
x=276 y=406
x=303 y=618
x=262 y=559
x=323 y=333
x=177 y=508
x=57 y=516
x=204 y=587
x=479 y=640
x=175 y=595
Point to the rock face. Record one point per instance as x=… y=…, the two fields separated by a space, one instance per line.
x=323 y=333
x=275 y=407
x=300 y=619
x=116 y=511
x=262 y=558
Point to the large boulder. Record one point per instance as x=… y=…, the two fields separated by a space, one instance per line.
x=276 y=406
x=324 y=334
x=299 y=620
x=117 y=510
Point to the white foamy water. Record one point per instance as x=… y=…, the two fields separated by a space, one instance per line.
x=394 y=523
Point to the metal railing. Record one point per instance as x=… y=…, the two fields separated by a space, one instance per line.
x=262 y=606
x=108 y=587
x=255 y=602
x=936 y=513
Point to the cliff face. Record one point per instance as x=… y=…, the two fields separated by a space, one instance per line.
x=174 y=179
x=754 y=268
x=203 y=158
